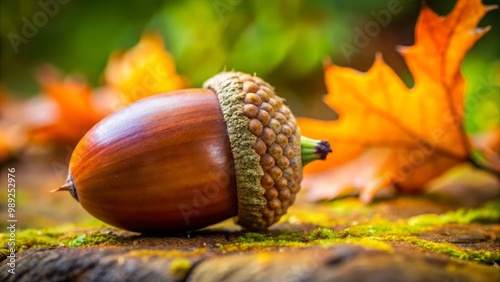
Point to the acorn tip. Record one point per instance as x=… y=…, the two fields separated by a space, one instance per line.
x=66 y=187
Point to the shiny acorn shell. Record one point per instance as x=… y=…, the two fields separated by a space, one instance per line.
x=162 y=164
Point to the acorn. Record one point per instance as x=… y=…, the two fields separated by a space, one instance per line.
x=188 y=159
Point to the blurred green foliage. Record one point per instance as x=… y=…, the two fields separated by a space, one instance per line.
x=283 y=41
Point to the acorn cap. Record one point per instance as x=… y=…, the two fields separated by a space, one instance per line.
x=265 y=142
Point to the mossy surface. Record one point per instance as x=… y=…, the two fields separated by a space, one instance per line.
x=385 y=226
x=488 y=213
x=69 y=236
x=377 y=232
x=167 y=253
x=322 y=237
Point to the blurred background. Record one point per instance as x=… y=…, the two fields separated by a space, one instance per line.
x=285 y=42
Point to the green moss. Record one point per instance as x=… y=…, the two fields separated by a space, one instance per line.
x=326 y=238
x=80 y=240
x=383 y=227
x=321 y=234
x=59 y=236
x=294 y=236
x=93 y=238
x=287 y=238
x=371 y=243
x=167 y=253
x=181 y=266
x=320 y=218
x=251 y=237
x=488 y=213
x=4 y=252
x=321 y=237
x=349 y=205
x=378 y=233
x=480 y=256
x=374 y=228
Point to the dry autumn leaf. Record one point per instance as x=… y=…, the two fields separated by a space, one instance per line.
x=144 y=70
x=388 y=134
x=5 y=149
x=12 y=140
x=76 y=113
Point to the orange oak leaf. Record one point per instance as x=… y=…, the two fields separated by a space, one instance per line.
x=12 y=140
x=5 y=149
x=389 y=135
x=74 y=111
x=144 y=70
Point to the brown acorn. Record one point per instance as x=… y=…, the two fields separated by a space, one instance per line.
x=191 y=158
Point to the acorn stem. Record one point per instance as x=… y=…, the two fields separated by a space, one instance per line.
x=313 y=149
x=68 y=186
